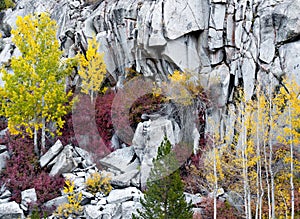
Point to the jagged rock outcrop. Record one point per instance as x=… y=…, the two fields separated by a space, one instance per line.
x=247 y=40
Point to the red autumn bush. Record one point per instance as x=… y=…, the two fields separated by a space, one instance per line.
x=89 y=126
x=224 y=209
x=23 y=172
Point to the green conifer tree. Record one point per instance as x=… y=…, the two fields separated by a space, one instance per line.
x=164 y=197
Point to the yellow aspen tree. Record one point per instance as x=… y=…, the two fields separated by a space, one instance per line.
x=92 y=68
x=212 y=162
x=289 y=96
x=34 y=94
x=259 y=136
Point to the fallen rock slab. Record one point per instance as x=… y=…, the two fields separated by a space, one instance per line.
x=11 y=210
x=122 y=195
x=51 y=153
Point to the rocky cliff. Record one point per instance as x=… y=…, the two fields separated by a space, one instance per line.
x=229 y=43
x=226 y=43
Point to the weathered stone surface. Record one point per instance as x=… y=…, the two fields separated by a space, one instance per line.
x=286 y=20
x=190 y=59
x=122 y=195
x=217 y=16
x=194 y=199
x=248 y=69
x=119 y=159
x=11 y=210
x=146 y=141
x=54 y=203
x=218 y=82
x=129 y=208
x=184 y=17
x=5 y=194
x=3 y=148
x=6 y=53
x=267 y=42
x=28 y=196
x=51 y=153
x=5 y=200
x=290 y=60
x=215 y=39
x=157 y=38
x=235 y=200
x=92 y=212
x=111 y=211
x=124 y=179
x=3 y=158
x=4 y=131
x=85 y=155
x=64 y=162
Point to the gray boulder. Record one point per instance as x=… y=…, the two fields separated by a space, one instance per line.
x=3 y=148
x=129 y=208
x=122 y=195
x=3 y=158
x=54 y=203
x=92 y=212
x=51 y=153
x=28 y=196
x=11 y=210
x=193 y=198
x=64 y=162
x=146 y=140
x=119 y=160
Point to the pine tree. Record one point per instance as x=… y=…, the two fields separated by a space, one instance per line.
x=164 y=197
x=34 y=94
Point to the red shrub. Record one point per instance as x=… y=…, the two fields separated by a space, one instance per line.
x=89 y=126
x=23 y=172
x=224 y=209
x=103 y=116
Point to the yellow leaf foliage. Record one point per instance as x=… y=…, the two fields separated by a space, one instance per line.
x=182 y=88
x=92 y=68
x=73 y=207
x=98 y=183
x=36 y=88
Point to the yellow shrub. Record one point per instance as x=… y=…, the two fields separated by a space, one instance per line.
x=73 y=207
x=98 y=183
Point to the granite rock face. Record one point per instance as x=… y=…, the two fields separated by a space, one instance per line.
x=155 y=37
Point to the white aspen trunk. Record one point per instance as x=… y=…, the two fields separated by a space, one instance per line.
x=35 y=142
x=267 y=180
x=257 y=206
x=272 y=182
x=245 y=185
x=215 y=184
x=259 y=186
x=271 y=158
x=43 y=140
x=292 y=167
x=248 y=189
x=92 y=96
x=248 y=193
x=244 y=164
x=261 y=192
